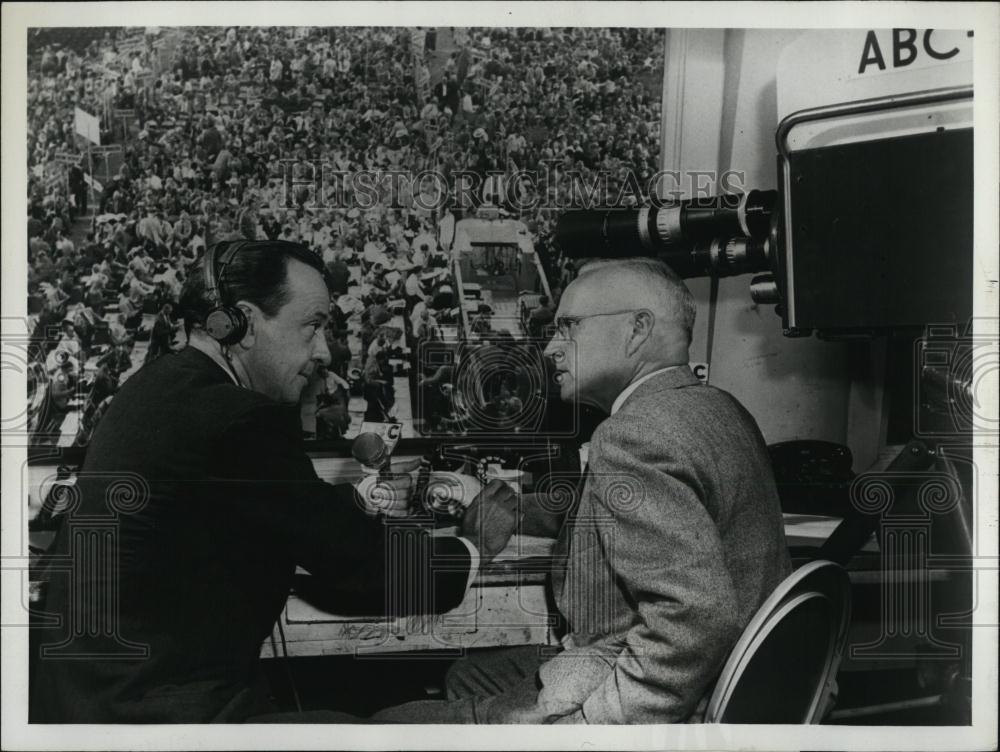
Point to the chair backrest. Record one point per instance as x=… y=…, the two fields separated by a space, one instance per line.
x=783 y=666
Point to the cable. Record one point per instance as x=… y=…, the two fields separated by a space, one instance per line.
x=288 y=665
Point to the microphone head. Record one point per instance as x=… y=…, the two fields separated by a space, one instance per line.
x=369 y=449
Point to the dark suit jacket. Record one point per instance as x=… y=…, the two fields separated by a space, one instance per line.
x=196 y=503
x=677 y=540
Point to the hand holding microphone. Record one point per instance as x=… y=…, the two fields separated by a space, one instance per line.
x=388 y=494
x=382 y=490
x=370 y=450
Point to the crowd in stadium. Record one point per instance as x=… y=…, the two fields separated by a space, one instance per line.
x=220 y=132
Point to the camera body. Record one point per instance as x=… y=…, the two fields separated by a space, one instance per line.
x=870 y=228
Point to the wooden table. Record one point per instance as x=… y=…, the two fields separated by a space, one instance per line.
x=506 y=605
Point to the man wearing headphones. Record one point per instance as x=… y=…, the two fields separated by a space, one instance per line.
x=196 y=502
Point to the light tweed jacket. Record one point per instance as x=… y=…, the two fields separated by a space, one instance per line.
x=676 y=541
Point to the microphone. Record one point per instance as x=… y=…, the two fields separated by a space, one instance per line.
x=370 y=450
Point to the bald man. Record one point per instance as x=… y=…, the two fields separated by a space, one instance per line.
x=674 y=542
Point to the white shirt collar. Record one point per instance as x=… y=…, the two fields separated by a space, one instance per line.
x=627 y=391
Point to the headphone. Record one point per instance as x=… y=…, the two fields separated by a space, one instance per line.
x=225 y=322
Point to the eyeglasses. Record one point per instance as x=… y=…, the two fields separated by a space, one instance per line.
x=565 y=324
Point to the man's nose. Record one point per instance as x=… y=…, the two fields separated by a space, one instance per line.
x=321 y=352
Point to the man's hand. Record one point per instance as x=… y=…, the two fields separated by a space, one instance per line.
x=543 y=516
x=406 y=466
x=490 y=519
x=389 y=494
x=453 y=489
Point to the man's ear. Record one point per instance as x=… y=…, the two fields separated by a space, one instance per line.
x=642 y=330
x=252 y=314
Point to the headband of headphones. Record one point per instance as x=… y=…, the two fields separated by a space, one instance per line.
x=213 y=270
x=225 y=322
x=219 y=256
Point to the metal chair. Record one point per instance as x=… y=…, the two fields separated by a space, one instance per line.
x=783 y=667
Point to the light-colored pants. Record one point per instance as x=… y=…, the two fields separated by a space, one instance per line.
x=498 y=685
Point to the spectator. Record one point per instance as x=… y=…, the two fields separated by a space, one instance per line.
x=211 y=140
x=162 y=338
x=78 y=189
x=340 y=275
x=481 y=324
x=56 y=404
x=207 y=154
x=378 y=391
x=333 y=417
x=540 y=318
x=426 y=327
x=435 y=390
x=418 y=309
x=413 y=288
x=340 y=353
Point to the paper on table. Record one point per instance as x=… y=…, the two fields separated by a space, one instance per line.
x=519 y=546
x=525 y=547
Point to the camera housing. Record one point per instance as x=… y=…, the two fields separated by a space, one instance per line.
x=871 y=229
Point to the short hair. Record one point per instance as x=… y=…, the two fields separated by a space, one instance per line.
x=258 y=274
x=680 y=297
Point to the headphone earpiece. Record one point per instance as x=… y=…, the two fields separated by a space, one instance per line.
x=227 y=324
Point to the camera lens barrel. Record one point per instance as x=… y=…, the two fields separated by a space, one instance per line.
x=720 y=235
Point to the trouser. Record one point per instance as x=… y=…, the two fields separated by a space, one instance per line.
x=488 y=686
x=255 y=705
x=490 y=672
